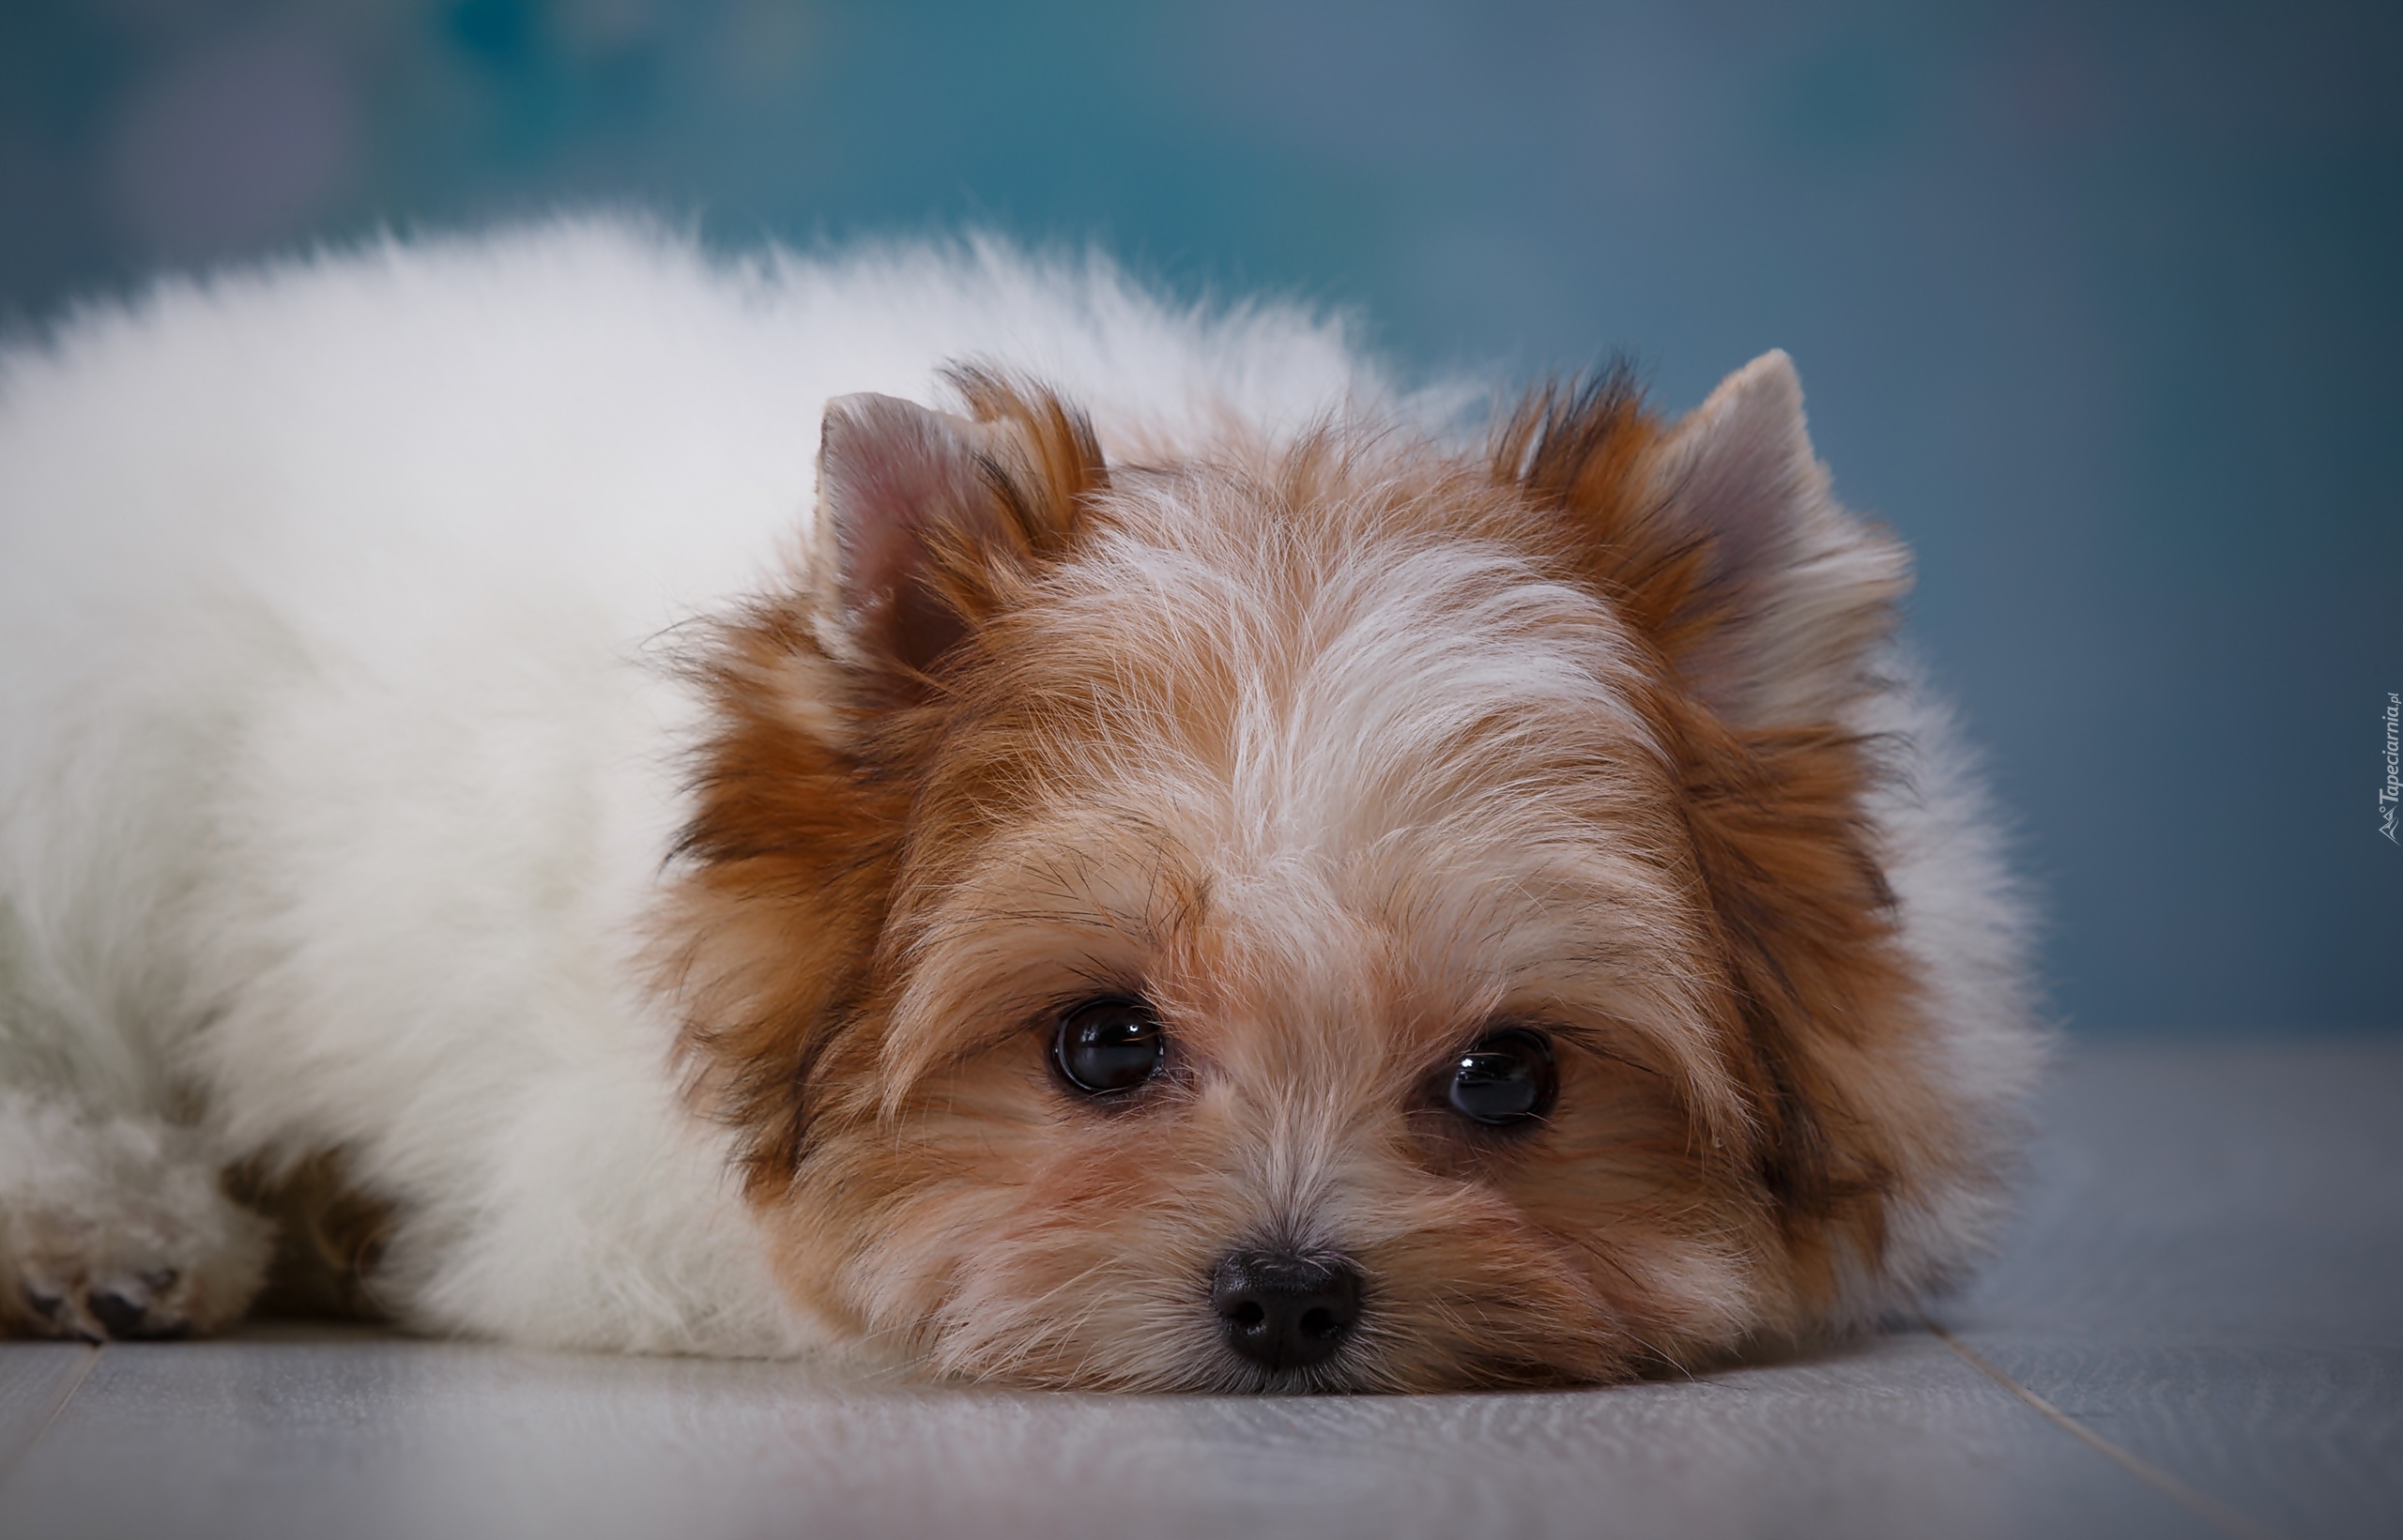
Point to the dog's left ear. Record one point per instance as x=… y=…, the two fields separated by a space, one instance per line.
x=1716 y=536
x=1792 y=591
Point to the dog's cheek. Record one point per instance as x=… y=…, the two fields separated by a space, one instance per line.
x=1095 y=1275
x=1666 y=1230
x=958 y=1221
x=871 y=1221
x=1076 y=1242
x=1466 y=1293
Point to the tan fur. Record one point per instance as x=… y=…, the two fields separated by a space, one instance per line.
x=1337 y=752
x=330 y=1237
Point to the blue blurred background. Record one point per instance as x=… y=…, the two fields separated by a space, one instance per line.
x=2100 y=304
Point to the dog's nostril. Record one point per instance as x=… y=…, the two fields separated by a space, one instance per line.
x=1285 y=1311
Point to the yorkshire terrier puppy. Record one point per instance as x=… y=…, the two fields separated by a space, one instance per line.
x=931 y=805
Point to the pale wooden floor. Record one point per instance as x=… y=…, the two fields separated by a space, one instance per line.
x=2197 y=1329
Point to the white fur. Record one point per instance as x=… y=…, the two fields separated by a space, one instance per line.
x=1802 y=651
x=1967 y=924
x=338 y=764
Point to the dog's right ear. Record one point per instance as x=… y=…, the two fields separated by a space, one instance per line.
x=899 y=487
x=927 y=520
x=928 y=525
x=768 y=941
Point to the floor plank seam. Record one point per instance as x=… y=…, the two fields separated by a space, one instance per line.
x=2202 y=1504
x=60 y=1394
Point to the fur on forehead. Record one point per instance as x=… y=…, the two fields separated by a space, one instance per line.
x=1243 y=748
x=1358 y=703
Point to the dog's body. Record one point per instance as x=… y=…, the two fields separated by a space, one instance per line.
x=441 y=754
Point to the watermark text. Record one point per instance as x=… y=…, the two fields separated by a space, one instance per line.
x=2390 y=794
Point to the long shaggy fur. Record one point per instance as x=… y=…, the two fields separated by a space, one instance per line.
x=507 y=723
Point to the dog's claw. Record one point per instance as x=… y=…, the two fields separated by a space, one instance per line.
x=122 y=1318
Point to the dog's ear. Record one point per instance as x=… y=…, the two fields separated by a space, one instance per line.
x=896 y=484
x=1777 y=633
x=1793 y=592
x=926 y=520
x=927 y=523
x=1718 y=537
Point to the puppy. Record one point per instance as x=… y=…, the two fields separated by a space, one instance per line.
x=932 y=806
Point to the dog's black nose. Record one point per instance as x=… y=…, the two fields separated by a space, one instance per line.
x=1283 y=1311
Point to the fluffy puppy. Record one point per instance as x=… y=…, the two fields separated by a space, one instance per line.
x=1136 y=858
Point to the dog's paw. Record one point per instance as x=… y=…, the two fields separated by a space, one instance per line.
x=128 y=1277
x=63 y=1290
x=115 y=1233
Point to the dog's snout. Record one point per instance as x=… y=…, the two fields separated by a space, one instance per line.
x=1284 y=1311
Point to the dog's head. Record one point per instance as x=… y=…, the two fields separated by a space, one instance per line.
x=1336 y=914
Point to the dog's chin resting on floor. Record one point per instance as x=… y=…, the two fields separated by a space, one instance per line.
x=926 y=804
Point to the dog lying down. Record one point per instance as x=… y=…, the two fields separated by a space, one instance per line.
x=931 y=805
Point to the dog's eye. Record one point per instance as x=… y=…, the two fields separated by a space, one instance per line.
x=1509 y=1078
x=1109 y=1045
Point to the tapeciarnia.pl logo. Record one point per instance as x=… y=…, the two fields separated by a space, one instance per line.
x=2393 y=791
